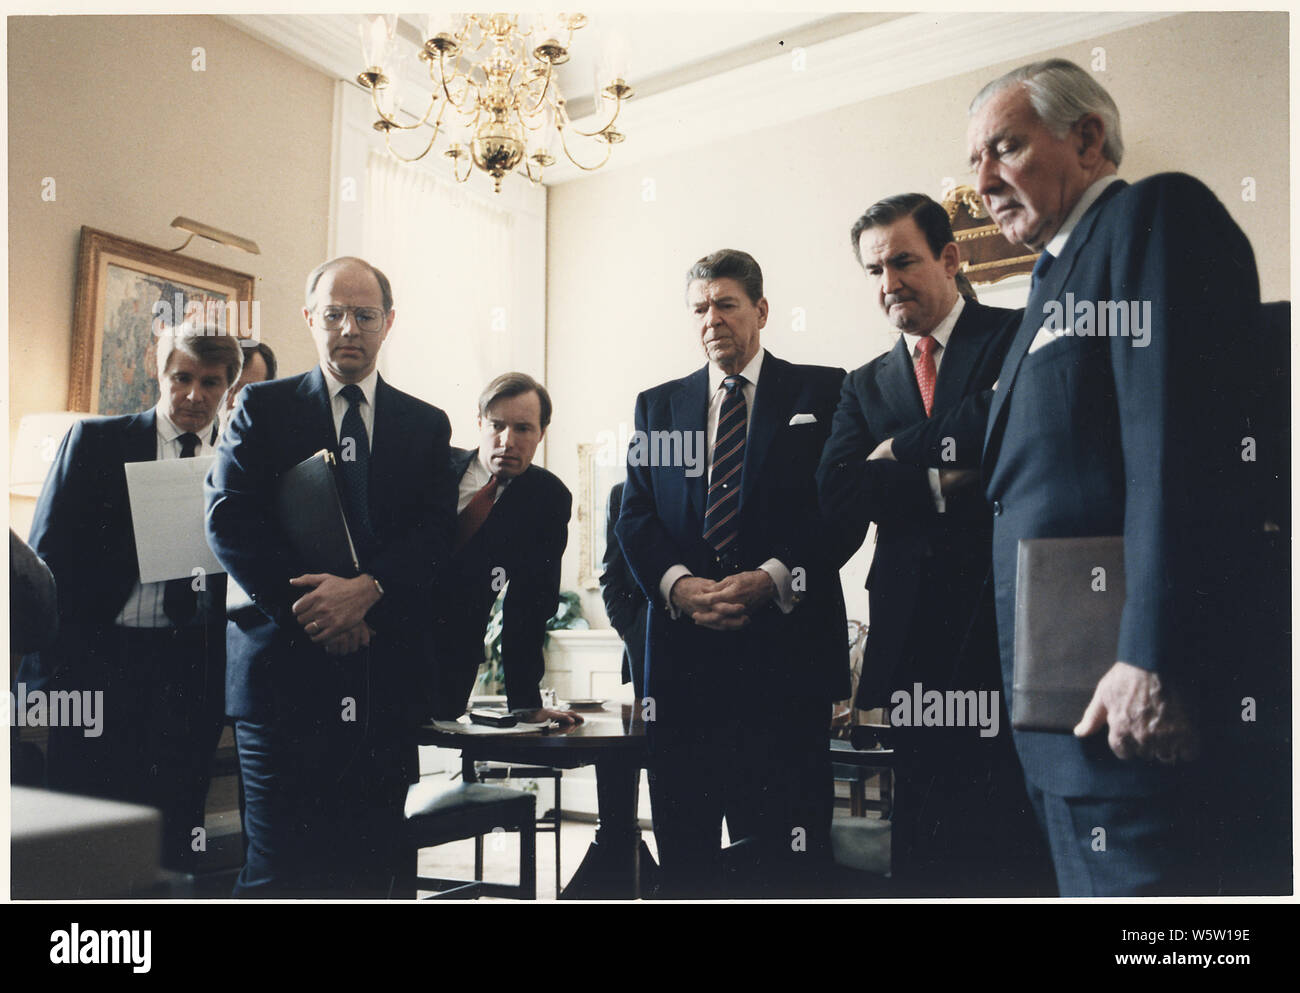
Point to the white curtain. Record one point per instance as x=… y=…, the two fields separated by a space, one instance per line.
x=452 y=260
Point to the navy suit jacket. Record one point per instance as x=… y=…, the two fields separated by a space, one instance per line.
x=877 y=401
x=625 y=604
x=83 y=531
x=524 y=535
x=274 y=669
x=1094 y=435
x=800 y=658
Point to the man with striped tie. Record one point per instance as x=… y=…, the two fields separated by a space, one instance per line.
x=745 y=643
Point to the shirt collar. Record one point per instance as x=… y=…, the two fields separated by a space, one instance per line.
x=168 y=431
x=367 y=385
x=1090 y=195
x=750 y=372
x=942 y=331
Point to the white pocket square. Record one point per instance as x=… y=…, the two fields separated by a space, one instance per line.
x=1041 y=340
x=802 y=419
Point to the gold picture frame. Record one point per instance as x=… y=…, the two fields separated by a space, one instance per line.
x=125 y=289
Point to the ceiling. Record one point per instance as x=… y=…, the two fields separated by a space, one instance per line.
x=686 y=64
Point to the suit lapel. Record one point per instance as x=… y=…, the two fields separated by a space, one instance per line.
x=897 y=378
x=387 y=455
x=141 y=441
x=773 y=397
x=1049 y=289
x=959 y=358
x=690 y=411
x=317 y=412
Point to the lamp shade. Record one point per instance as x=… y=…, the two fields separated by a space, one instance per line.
x=37 y=444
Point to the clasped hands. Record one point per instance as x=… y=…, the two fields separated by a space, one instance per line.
x=724 y=604
x=333 y=613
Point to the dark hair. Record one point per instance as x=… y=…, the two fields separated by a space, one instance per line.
x=385 y=288
x=261 y=348
x=513 y=384
x=930 y=217
x=729 y=263
x=207 y=344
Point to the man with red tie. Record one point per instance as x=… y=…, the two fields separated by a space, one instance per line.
x=511 y=528
x=745 y=646
x=961 y=822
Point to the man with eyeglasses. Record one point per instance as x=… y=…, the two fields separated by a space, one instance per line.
x=328 y=675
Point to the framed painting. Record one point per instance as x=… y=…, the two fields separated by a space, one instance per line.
x=597 y=474
x=126 y=290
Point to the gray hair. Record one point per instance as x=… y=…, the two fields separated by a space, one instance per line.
x=1061 y=94
x=206 y=344
x=385 y=288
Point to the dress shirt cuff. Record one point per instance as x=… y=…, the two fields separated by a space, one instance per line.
x=781 y=576
x=940 y=504
x=673 y=574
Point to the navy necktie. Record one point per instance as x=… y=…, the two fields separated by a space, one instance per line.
x=180 y=601
x=354 y=466
x=722 y=505
x=1044 y=263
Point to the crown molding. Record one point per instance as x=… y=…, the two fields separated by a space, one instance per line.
x=848 y=69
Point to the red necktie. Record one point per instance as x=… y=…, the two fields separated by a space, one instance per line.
x=925 y=374
x=469 y=520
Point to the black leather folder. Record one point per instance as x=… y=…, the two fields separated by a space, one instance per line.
x=1067 y=627
x=310 y=510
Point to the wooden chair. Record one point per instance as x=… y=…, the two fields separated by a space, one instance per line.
x=438 y=813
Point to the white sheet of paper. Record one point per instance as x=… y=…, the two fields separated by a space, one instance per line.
x=167 y=515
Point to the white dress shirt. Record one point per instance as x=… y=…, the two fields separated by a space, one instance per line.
x=940 y=334
x=144 y=607
x=339 y=403
x=717 y=392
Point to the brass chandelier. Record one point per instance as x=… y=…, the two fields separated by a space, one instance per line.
x=496 y=95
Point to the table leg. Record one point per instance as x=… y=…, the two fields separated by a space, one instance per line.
x=612 y=868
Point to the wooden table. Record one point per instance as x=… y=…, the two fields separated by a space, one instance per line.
x=616 y=865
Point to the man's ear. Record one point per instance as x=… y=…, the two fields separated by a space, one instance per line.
x=951 y=258
x=1090 y=138
x=762 y=312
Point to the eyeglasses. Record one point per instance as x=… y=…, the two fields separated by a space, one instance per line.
x=366 y=319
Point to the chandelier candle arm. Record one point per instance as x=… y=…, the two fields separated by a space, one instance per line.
x=500 y=81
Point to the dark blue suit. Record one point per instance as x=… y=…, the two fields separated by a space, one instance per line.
x=1093 y=435
x=162 y=688
x=961 y=822
x=327 y=743
x=524 y=535
x=740 y=718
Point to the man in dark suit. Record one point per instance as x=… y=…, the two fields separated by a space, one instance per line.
x=624 y=602
x=746 y=644
x=512 y=526
x=329 y=675
x=961 y=823
x=156 y=651
x=1119 y=411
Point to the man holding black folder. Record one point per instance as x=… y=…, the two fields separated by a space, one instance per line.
x=1100 y=426
x=329 y=673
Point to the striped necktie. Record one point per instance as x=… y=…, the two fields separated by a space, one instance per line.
x=722 y=506
x=180 y=600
